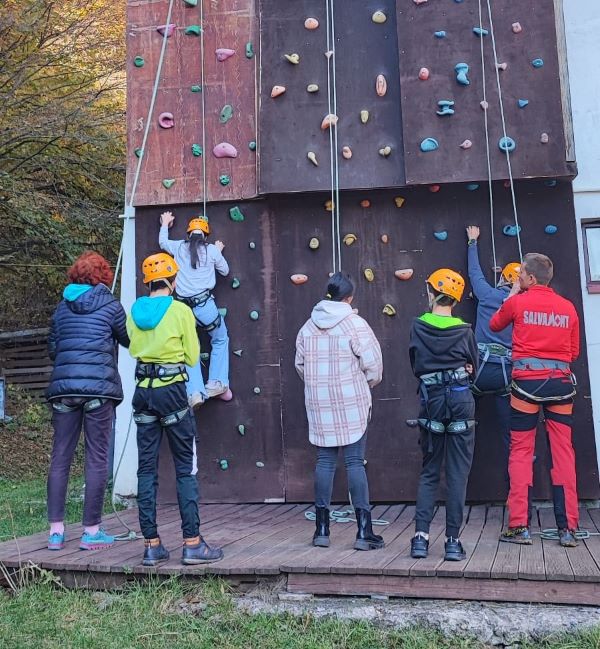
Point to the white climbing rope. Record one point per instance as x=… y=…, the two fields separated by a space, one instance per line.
x=203 y=104
x=336 y=151
x=510 y=175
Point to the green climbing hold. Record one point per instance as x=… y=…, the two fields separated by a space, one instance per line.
x=196 y=150
x=238 y=352
x=224 y=464
x=193 y=30
x=236 y=214
x=191 y=3
x=254 y=315
x=260 y=465
x=168 y=183
x=204 y=356
x=252 y=145
x=139 y=61
x=251 y=245
x=226 y=113
x=235 y=283
x=249 y=50
x=223 y=311
x=138 y=153
x=196 y=88
x=241 y=429
x=224 y=180
x=256 y=390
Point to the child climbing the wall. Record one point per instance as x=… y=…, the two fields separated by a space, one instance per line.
x=198 y=260
x=443 y=355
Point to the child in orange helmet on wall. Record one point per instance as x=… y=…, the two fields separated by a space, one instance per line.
x=443 y=356
x=198 y=260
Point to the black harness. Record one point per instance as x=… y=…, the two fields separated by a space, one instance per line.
x=495 y=353
x=200 y=300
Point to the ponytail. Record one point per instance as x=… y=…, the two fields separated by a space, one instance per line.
x=196 y=240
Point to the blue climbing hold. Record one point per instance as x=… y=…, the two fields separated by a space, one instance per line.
x=440 y=34
x=429 y=144
x=441 y=236
x=551 y=229
x=523 y=102
x=507 y=144
x=511 y=230
x=480 y=31
x=473 y=187
x=537 y=63
x=462 y=70
x=446 y=107
x=550 y=182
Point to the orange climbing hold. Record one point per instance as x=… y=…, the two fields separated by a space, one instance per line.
x=277 y=90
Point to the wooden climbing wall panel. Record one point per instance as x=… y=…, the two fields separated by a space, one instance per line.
x=290 y=124
x=227 y=24
x=541 y=87
x=276 y=430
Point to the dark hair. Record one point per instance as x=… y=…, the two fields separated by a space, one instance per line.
x=159 y=284
x=340 y=286
x=197 y=239
x=90 y=268
x=442 y=299
x=540 y=266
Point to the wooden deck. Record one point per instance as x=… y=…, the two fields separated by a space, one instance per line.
x=264 y=542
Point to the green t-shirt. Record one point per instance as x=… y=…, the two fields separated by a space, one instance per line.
x=441 y=321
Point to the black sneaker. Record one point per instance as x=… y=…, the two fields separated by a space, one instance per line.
x=197 y=551
x=520 y=535
x=154 y=552
x=453 y=550
x=567 y=538
x=419 y=547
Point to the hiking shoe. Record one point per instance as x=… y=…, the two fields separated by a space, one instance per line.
x=216 y=388
x=197 y=551
x=196 y=399
x=56 y=541
x=98 y=541
x=453 y=550
x=567 y=538
x=518 y=535
x=154 y=552
x=419 y=547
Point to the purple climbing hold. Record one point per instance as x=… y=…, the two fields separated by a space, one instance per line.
x=225 y=150
x=223 y=53
x=161 y=29
x=166 y=120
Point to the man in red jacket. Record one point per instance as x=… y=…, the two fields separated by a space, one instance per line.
x=545 y=342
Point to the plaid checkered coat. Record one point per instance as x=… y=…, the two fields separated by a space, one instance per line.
x=339 y=360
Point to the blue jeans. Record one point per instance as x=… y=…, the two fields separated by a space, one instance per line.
x=219 y=356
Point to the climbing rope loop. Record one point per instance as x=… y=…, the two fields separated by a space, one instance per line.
x=344 y=516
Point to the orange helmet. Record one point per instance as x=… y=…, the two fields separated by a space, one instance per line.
x=199 y=223
x=447 y=282
x=159 y=266
x=510 y=272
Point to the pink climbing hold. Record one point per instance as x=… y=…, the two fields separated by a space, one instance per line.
x=516 y=27
x=434 y=189
x=423 y=74
x=467 y=144
x=161 y=29
x=225 y=150
x=166 y=120
x=299 y=278
x=223 y=53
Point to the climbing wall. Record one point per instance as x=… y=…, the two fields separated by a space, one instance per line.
x=171 y=169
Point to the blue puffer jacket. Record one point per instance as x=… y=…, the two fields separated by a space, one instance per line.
x=86 y=327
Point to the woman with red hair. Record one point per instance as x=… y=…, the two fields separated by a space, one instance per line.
x=85 y=388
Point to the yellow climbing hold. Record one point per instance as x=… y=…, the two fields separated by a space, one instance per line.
x=313 y=244
x=369 y=274
x=293 y=58
x=312 y=87
x=379 y=17
x=364 y=116
x=312 y=157
x=385 y=151
x=349 y=239
x=329 y=205
x=399 y=201
x=388 y=309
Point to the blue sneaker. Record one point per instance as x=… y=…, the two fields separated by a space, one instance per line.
x=98 y=541
x=56 y=541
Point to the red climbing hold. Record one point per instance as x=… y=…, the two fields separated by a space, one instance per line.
x=434 y=189
x=161 y=29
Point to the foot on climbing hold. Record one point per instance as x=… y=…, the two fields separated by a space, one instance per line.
x=139 y=61
x=277 y=90
x=235 y=283
x=388 y=309
x=551 y=229
x=294 y=58
x=254 y=315
x=537 y=63
x=364 y=116
x=225 y=150
x=480 y=31
x=241 y=429
x=311 y=23
x=192 y=30
x=523 y=102
x=235 y=214
x=249 y=50
x=166 y=120
x=507 y=144
x=441 y=235
x=196 y=150
x=511 y=230
x=380 y=85
x=440 y=34
x=516 y=27
x=404 y=273
x=467 y=144
x=423 y=74
x=544 y=138
x=311 y=155
x=226 y=113
x=224 y=179
x=385 y=151
x=299 y=278
x=429 y=144
x=224 y=53
x=168 y=29
x=369 y=274
x=328 y=121
x=434 y=189
x=346 y=152
x=238 y=352
x=313 y=244
x=445 y=108
x=349 y=239
x=168 y=183
x=472 y=187
x=462 y=69
x=399 y=200
x=312 y=87
x=379 y=17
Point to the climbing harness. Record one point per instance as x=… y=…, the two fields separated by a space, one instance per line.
x=160 y=371
x=444 y=377
x=540 y=364
x=543 y=364
x=495 y=353
x=168 y=420
x=88 y=405
x=200 y=299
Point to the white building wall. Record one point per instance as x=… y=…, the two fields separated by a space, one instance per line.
x=582 y=26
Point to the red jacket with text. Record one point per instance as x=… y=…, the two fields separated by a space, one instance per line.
x=545 y=325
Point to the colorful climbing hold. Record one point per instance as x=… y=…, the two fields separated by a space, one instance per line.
x=369 y=274
x=423 y=74
x=139 y=61
x=224 y=179
x=235 y=283
x=385 y=151
x=379 y=17
x=168 y=29
x=238 y=352
x=551 y=229
x=551 y=182
x=249 y=50
x=166 y=120
x=434 y=189
x=385 y=238
x=191 y=3
x=440 y=34
x=544 y=138
x=365 y=203
x=168 y=183
x=252 y=145
x=138 y=152
x=502 y=66
x=388 y=309
x=480 y=31
x=192 y=30
x=399 y=200
x=294 y=58
x=256 y=390
x=260 y=465
x=251 y=245
x=224 y=464
x=312 y=156
x=224 y=53
x=313 y=244
x=349 y=239
x=312 y=87
x=222 y=311
x=523 y=102
x=472 y=187
x=226 y=113
x=537 y=63
x=467 y=144
x=329 y=120
x=196 y=88
x=254 y=315
x=235 y=214
x=311 y=23
x=196 y=150
x=329 y=54
x=429 y=144
x=507 y=144
x=329 y=205
x=404 y=273
x=241 y=429
x=380 y=85
x=462 y=69
x=346 y=152
x=516 y=27
x=484 y=105
x=441 y=235
x=299 y=278
x=364 y=116
x=277 y=90
x=511 y=230
x=225 y=150
x=419 y=2
x=445 y=107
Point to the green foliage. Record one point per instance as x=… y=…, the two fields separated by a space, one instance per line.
x=63 y=147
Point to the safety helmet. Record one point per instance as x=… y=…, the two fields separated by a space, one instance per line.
x=447 y=282
x=199 y=223
x=510 y=272
x=159 y=266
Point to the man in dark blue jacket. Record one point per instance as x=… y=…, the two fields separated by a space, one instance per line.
x=494 y=374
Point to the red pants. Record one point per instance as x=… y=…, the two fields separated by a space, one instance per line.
x=558 y=421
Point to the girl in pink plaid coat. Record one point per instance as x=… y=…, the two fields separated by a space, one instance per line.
x=339 y=359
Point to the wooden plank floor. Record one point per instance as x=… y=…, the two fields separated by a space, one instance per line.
x=266 y=541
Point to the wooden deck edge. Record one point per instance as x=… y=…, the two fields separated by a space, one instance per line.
x=539 y=592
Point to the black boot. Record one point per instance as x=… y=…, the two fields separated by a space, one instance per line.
x=365 y=539
x=154 y=552
x=197 y=550
x=321 y=535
